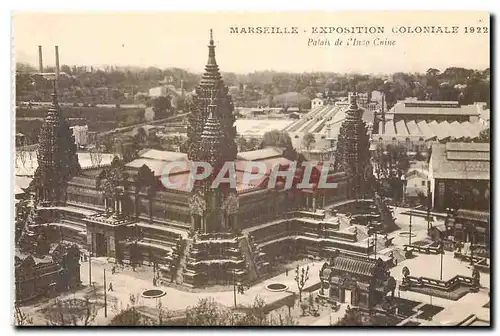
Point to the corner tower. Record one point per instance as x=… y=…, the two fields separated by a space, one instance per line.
x=353 y=155
x=57 y=158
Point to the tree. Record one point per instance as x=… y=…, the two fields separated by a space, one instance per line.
x=95 y=155
x=433 y=72
x=253 y=143
x=163 y=314
x=162 y=106
x=308 y=140
x=207 y=313
x=352 y=317
x=255 y=316
x=21 y=318
x=130 y=317
x=71 y=312
x=141 y=134
x=242 y=144
x=276 y=138
x=301 y=277
x=484 y=135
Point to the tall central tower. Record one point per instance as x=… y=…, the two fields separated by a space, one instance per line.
x=353 y=155
x=212 y=90
x=211 y=134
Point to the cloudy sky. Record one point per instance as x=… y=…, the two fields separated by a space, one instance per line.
x=180 y=40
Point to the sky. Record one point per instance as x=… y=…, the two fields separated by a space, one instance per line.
x=179 y=39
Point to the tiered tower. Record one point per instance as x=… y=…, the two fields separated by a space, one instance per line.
x=353 y=156
x=211 y=134
x=57 y=158
x=212 y=90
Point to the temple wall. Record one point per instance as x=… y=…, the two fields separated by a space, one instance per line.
x=84 y=195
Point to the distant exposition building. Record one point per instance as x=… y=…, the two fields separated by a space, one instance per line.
x=204 y=236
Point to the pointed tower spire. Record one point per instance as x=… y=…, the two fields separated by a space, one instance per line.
x=353 y=101
x=352 y=155
x=212 y=100
x=53 y=113
x=57 y=158
x=211 y=51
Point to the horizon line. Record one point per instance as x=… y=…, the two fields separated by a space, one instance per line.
x=117 y=65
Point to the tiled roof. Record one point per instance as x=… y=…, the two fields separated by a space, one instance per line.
x=241 y=165
x=466 y=146
x=26 y=163
x=473 y=214
x=260 y=154
x=470 y=162
x=354 y=265
x=317 y=120
x=163 y=155
x=432 y=130
x=401 y=128
x=433 y=108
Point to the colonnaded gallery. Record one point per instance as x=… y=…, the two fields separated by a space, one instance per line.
x=205 y=236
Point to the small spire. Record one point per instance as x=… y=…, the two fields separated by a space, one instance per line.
x=353 y=101
x=211 y=50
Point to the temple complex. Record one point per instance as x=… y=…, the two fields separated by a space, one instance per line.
x=205 y=236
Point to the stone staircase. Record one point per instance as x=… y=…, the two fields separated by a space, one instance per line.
x=182 y=261
x=246 y=250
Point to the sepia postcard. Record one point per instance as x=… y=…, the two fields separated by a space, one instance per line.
x=251 y=169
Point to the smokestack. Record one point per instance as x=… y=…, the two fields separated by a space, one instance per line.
x=182 y=86
x=40 y=59
x=57 y=66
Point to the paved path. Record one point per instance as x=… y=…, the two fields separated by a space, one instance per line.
x=127 y=282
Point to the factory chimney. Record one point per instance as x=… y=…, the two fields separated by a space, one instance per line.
x=40 y=59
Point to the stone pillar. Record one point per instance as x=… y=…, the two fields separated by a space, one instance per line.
x=193 y=222
x=112 y=245
x=89 y=238
x=235 y=221
x=314 y=202
x=105 y=203
x=223 y=220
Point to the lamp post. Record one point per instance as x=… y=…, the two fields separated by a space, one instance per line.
x=441 y=252
x=472 y=240
x=234 y=287
x=105 y=297
x=90 y=259
x=428 y=205
x=409 y=227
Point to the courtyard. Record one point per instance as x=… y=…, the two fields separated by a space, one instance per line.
x=127 y=282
